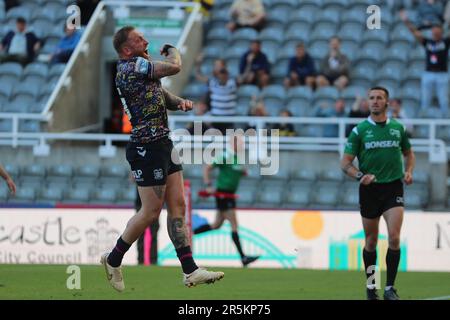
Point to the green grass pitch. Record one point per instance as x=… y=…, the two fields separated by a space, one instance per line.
x=164 y=283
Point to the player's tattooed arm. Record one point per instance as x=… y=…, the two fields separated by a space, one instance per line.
x=170 y=66
x=159 y=191
x=176 y=103
x=172 y=101
x=177 y=232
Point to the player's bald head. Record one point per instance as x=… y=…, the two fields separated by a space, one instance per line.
x=121 y=37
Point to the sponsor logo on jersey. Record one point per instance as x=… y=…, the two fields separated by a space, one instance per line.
x=158 y=174
x=141 y=65
x=399 y=200
x=369 y=133
x=381 y=144
x=395 y=133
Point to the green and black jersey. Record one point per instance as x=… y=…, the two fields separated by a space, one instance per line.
x=230 y=172
x=379 y=148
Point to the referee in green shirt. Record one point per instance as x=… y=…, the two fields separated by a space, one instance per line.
x=230 y=173
x=380 y=144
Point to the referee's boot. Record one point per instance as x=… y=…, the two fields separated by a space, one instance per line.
x=372 y=294
x=391 y=294
x=246 y=260
x=201 y=276
x=114 y=275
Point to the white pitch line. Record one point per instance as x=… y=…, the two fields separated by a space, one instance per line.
x=439 y=298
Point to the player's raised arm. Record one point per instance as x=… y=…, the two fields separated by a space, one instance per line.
x=174 y=102
x=417 y=34
x=170 y=66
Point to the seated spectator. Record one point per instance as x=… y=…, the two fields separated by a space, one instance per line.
x=19 y=46
x=247 y=14
x=11 y=4
x=429 y=13
x=66 y=45
x=257 y=109
x=87 y=8
x=200 y=109
x=254 y=66
x=286 y=129
x=395 y=111
x=360 y=109
x=301 y=69
x=334 y=69
x=338 y=111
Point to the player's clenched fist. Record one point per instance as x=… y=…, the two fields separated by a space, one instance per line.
x=408 y=177
x=186 y=105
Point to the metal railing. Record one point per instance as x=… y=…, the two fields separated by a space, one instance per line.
x=436 y=148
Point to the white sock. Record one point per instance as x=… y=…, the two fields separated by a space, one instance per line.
x=371 y=286
x=387 y=288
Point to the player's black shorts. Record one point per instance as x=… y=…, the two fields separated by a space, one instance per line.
x=151 y=163
x=224 y=204
x=377 y=198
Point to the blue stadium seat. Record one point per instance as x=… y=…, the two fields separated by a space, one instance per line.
x=332 y=5
x=218 y=34
x=397 y=52
x=400 y=33
x=12 y=69
x=417 y=55
x=362 y=75
x=50 y=194
x=307 y=4
x=297 y=33
x=16 y=12
x=272 y=34
x=300 y=92
x=30 y=88
x=324 y=198
x=369 y=54
x=389 y=76
x=351 y=31
x=350 y=93
x=235 y=51
x=279 y=71
x=305 y=175
x=350 y=49
x=302 y=15
x=5 y=125
x=298 y=107
x=318 y=49
x=380 y=36
x=325 y=95
x=41 y=27
x=246 y=34
x=20 y=104
x=277 y=15
x=332 y=17
x=297 y=198
x=274 y=91
x=195 y=90
x=355 y=15
x=29 y=125
x=23 y=195
x=6 y=89
x=323 y=31
x=248 y=91
x=77 y=195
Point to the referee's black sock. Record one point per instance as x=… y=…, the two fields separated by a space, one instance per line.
x=187 y=262
x=392 y=261
x=203 y=228
x=116 y=255
x=370 y=259
x=235 y=237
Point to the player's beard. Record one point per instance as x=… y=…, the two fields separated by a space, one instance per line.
x=378 y=112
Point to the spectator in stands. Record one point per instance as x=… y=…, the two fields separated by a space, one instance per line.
x=257 y=109
x=286 y=129
x=301 y=69
x=360 y=109
x=334 y=69
x=66 y=45
x=247 y=14
x=11 y=4
x=200 y=109
x=338 y=111
x=8 y=180
x=429 y=13
x=447 y=14
x=19 y=46
x=397 y=112
x=254 y=66
x=435 y=76
x=87 y=8
x=219 y=64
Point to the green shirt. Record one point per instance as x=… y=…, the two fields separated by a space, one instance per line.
x=379 y=148
x=230 y=172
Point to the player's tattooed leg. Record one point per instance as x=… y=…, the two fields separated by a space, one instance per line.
x=177 y=232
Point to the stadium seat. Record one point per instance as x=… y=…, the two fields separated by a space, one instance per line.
x=322 y=31
x=277 y=15
x=350 y=31
x=50 y=194
x=324 y=198
x=354 y=15
x=5 y=125
x=305 y=175
x=400 y=33
x=332 y=175
x=300 y=92
x=269 y=197
x=104 y=196
x=23 y=195
x=296 y=33
x=302 y=15
x=273 y=91
x=248 y=91
x=325 y=95
x=245 y=34
x=297 y=198
x=6 y=89
x=41 y=27
x=362 y=75
x=332 y=17
x=279 y=71
x=318 y=49
x=20 y=104
x=389 y=76
x=308 y=4
x=380 y=36
x=29 y=126
x=235 y=51
x=350 y=93
x=417 y=55
x=298 y=107
x=16 y=12
x=397 y=51
x=30 y=88
x=127 y=196
x=12 y=69
x=195 y=90
x=4 y=194
x=77 y=195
